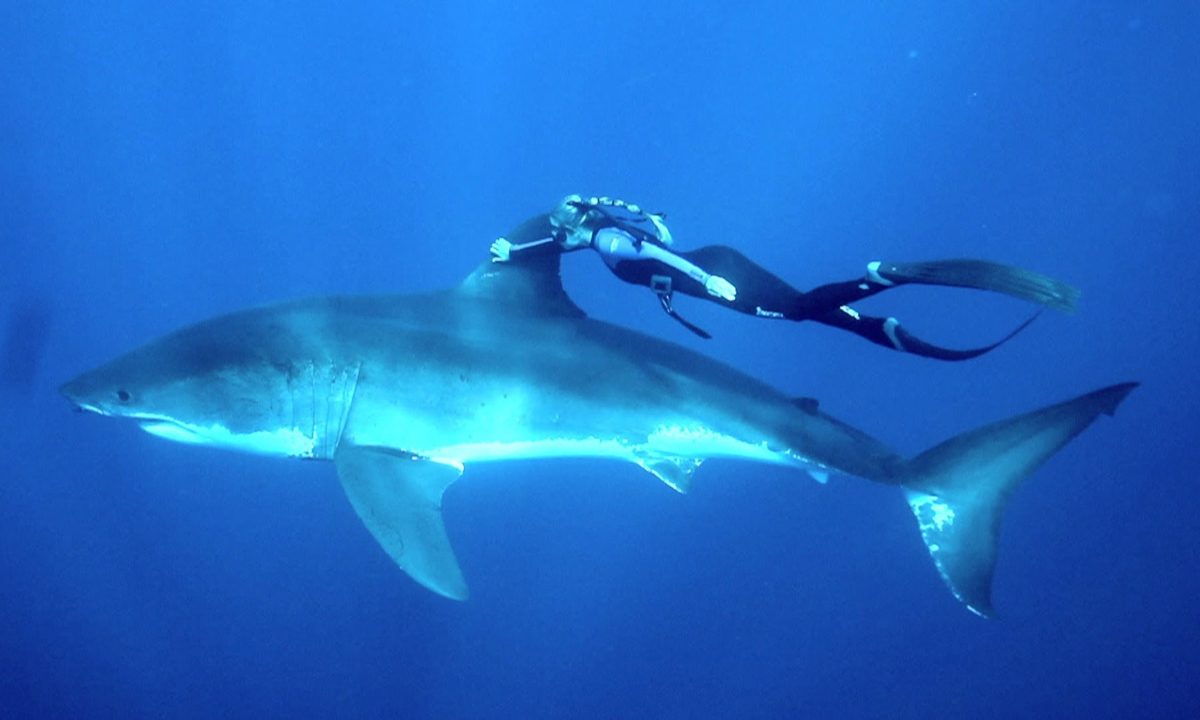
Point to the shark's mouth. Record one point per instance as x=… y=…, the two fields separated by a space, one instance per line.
x=171 y=430
x=159 y=425
x=285 y=441
x=84 y=407
x=282 y=441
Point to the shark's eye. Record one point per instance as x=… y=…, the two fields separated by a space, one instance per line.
x=123 y=395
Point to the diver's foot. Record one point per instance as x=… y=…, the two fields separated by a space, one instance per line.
x=874 y=276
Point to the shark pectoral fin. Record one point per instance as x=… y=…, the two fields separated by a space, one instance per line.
x=674 y=471
x=399 y=499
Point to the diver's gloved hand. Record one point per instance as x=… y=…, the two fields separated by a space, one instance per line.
x=718 y=286
x=501 y=250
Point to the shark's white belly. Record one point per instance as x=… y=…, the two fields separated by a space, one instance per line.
x=683 y=443
x=466 y=453
x=511 y=424
x=282 y=442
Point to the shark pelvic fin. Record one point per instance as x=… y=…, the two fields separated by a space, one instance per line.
x=958 y=489
x=399 y=498
x=674 y=471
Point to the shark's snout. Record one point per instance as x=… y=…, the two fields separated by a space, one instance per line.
x=70 y=390
x=76 y=391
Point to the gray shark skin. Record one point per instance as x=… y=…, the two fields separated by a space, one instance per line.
x=401 y=392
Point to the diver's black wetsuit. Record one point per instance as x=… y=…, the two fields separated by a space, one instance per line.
x=763 y=294
x=633 y=251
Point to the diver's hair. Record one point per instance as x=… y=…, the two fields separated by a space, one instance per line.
x=565 y=212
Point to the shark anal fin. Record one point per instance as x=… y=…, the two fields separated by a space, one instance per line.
x=674 y=471
x=399 y=498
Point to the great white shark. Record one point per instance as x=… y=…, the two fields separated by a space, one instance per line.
x=401 y=392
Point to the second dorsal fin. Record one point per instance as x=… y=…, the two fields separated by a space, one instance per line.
x=807 y=404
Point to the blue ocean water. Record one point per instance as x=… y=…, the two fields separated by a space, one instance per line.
x=161 y=163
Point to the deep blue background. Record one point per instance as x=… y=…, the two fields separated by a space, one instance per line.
x=160 y=163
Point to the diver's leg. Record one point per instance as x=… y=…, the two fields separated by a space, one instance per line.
x=759 y=289
x=829 y=298
x=761 y=293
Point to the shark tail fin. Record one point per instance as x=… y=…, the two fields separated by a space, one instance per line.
x=958 y=489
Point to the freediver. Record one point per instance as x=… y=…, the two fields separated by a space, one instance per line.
x=637 y=247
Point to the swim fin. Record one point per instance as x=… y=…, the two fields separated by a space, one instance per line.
x=905 y=341
x=981 y=275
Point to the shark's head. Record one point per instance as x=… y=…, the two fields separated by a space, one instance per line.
x=215 y=383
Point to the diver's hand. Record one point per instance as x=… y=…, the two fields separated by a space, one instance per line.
x=501 y=250
x=718 y=286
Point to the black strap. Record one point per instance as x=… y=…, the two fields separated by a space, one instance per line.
x=664 y=298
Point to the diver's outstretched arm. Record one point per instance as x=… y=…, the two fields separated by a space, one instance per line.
x=533 y=238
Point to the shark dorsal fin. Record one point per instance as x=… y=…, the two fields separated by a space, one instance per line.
x=531 y=281
x=531 y=284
